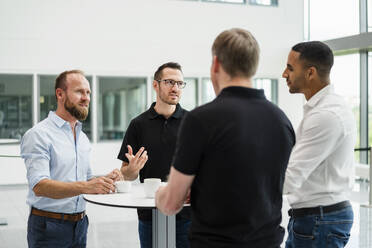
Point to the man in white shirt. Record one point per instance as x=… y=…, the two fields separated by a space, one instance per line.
x=320 y=170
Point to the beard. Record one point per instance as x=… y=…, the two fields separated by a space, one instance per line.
x=80 y=113
x=165 y=97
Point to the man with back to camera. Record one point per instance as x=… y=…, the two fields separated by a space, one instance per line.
x=233 y=153
x=156 y=131
x=320 y=170
x=56 y=154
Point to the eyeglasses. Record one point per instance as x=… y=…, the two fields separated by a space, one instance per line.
x=170 y=83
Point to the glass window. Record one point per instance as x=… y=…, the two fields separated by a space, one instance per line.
x=189 y=94
x=207 y=91
x=344 y=19
x=120 y=99
x=369 y=16
x=370 y=99
x=345 y=76
x=270 y=86
x=15 y=105
x=47 y=95
x=264 y=2
x=225 y=1
x=48 y=100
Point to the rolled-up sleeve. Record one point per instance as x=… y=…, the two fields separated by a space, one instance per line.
x=35 y=152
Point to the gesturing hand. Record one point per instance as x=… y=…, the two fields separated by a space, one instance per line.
x=136 y=162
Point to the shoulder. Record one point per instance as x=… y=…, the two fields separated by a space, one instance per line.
x=323 y=119
x=40 y=134
x=333 y=106
x=42 y=128
x=205 y=108
x=142 y=118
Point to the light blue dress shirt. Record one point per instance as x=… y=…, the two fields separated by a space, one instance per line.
x=50 y=152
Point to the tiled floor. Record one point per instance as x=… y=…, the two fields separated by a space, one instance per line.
x=117 y=227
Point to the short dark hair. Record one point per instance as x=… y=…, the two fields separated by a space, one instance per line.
x=159 y=71
x=61 y=79
x=317 y=54
x=238 y=52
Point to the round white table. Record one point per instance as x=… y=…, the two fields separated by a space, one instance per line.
x=163 y=227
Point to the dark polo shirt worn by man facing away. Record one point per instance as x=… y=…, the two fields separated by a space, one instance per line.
x=238 y=148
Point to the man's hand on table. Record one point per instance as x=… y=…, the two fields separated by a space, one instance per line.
x=99 y=185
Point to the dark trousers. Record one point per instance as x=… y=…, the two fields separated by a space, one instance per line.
x=320 y=230
x=47 y=232
x=182 y=230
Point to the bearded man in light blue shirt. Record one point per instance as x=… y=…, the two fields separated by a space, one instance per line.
x=56 y=153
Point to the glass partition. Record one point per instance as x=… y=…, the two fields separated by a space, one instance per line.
x=264 y=2
x=369 y=6
x=189 y=94
x=207 y=91
x=120 y=99
x=270 y=87
x=345 y=76
x=15 y=105
x=225 y=1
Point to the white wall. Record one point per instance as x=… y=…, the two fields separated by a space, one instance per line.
x=117 y=37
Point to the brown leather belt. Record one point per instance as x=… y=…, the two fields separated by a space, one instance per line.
x=70 y=217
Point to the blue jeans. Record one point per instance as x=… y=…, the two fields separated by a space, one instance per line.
x=324 y=231
x=182 y=230
x=48 y=232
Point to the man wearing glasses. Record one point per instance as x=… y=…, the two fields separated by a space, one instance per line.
x=154 y=132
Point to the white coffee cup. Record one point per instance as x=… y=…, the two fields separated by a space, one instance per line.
x=151 y=185
x=123 y=186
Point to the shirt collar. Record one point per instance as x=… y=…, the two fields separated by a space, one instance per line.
x=242 y=91
x=319 y=95
x=59 y=121
x=176 y=114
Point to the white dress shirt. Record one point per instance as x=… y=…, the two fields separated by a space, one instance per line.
x=321 y=166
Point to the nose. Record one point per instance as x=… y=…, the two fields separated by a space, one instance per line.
x=285 y=74
x=86 y=97
x=175 y=85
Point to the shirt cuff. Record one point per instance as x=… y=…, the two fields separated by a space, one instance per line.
x=36 y=180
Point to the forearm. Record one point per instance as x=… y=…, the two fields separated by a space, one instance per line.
x=170 y=199
x=166 y=204
x=58 y=190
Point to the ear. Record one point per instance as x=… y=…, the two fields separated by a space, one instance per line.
x=215 y=65
x=311 y=73
x=59 y=93
x=155 y=84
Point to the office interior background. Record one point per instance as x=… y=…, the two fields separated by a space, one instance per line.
x=120 y=44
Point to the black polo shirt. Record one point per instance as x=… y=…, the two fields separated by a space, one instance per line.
x=238 y=148
x=158 y=136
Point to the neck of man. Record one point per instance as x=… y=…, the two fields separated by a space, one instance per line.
x=315 y=88
x=236 y=81
x=164 y=109
x=65 y=115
